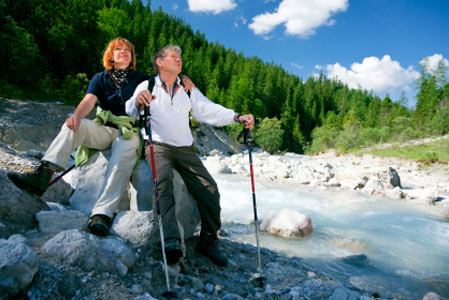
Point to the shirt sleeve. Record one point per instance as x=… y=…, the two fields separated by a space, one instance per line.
x=95 y=86
x=209 y=112
x=130 y=105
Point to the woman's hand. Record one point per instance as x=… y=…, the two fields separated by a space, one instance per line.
x=187 y=83
x=73 y=123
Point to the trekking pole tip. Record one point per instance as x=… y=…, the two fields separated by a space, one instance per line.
x=257 y=281
x=170 y=295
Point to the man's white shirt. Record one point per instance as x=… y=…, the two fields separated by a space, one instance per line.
x=170 y=116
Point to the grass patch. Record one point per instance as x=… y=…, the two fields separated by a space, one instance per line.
x=428 y=153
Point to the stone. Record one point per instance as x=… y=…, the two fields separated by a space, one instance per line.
x=136 y=227
x=288 y=223
x=83 y=250
x=57 y=221
x=18 y=266
x=390 y=178
x=17 y=207
x=373 y=187
x=89 y=178
x=342 y=293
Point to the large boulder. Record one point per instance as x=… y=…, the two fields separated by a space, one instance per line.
x=87 y=181
x=57 y=221
x=17 y=207
x=18 y=265
x=86 y=251
x=288 y=223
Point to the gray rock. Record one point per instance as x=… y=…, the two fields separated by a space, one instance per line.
x=287 y=223
x=87 y=181
x=431 y=296
x=17 y=207
x=232 y=296
x=82 y=250
x=342 y=293
x=373 y=187
x=390 y=178
x=89 y=178
x=146 y=296
x=120 y=250
x=196 y=283
x=136 y=227
x=57 y=221
x=209 y=287
x=59 y=192
x=18 y=266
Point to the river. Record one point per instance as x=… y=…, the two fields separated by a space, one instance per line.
x=389 y=247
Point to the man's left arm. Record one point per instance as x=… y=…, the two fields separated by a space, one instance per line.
x=211 y=113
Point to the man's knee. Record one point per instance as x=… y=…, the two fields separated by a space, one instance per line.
x=213 y=190
x=209 y=194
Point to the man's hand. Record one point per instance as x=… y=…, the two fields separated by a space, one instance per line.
x=73 y=123
x=247 y=120
x=144 y=98
x=187 y=83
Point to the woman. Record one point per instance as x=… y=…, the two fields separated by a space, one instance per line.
x=113 y=129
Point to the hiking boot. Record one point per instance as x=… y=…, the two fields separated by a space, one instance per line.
x=36 y=182
x=99 y=225
x=208 y=246
x=173 y=251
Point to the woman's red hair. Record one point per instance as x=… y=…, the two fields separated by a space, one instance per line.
x=108 y=57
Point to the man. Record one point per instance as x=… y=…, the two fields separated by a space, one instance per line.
x=173 y=148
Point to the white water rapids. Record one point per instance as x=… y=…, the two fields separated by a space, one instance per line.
x=383 y=246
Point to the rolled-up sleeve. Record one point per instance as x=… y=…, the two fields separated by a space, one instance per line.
x=209 y=112
x=130 y=105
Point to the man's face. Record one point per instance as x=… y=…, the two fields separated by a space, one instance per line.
x=172 y=63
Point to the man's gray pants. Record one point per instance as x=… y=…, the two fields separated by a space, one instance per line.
x=199 y=183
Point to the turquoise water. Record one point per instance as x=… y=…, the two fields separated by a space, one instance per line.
x=389 y=247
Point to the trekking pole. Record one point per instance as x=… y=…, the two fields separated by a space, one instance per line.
x=168 y=293
x=61 y=175
x=247 y=140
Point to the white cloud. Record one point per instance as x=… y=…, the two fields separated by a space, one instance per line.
x=431 y=62
x=378 y=75
x=240 y=20
x=301 y=17
x=295 y=65
x=175 y=6
x=211 y=6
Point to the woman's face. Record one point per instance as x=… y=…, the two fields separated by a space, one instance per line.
x=122 y=57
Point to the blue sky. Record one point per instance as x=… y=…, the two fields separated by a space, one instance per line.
x=377 y=45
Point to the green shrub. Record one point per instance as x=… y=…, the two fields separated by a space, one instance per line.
x=269 y=135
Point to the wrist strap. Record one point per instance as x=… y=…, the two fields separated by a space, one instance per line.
x=236 y=118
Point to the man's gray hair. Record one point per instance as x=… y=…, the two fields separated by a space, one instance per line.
x=161 y=53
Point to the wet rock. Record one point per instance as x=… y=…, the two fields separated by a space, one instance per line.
x=288 y=223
